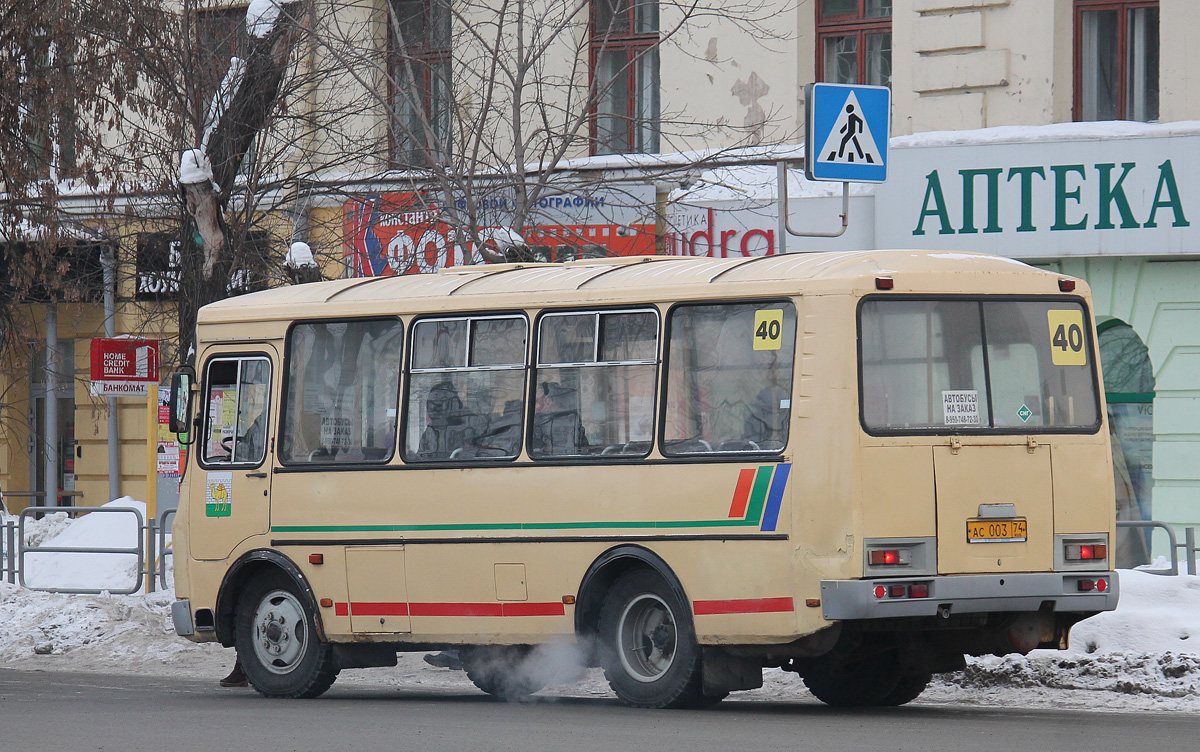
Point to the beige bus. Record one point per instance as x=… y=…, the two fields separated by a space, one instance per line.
x=859 y=467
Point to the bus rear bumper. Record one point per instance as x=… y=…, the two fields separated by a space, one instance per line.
x=1074 y=592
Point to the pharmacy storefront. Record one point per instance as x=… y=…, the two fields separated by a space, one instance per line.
x=1116 y=204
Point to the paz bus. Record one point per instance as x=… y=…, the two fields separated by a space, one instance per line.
x=857 y=466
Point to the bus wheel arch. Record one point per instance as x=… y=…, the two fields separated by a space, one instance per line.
x=603 y=573
x=249 y=567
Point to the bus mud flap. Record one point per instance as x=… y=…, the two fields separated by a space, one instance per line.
x=728 y=673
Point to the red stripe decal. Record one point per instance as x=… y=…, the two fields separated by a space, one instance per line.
x=449 y=609
x=741 y=494
x=456 y=609
x=379 y=609
x=533 y=609
x=744 y=606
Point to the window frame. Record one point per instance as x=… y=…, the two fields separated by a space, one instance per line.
x=857 y=25
x=665 y=372
x=535 y=360
x=641 y=47
x=406 y=379
x=1122 y=7
x=426 y=56
x=285 y=384
x=205 y=425
x=1090 y=346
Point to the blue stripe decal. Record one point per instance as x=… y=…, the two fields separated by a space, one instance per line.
x=775 y=497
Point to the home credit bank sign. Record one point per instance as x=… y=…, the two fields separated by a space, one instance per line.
x=123 y=367
x=403 y=233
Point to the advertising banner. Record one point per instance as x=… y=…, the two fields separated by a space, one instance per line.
x=123 y=367
x=406 y=233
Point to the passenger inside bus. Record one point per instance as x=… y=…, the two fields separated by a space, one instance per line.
x=557 y=429
x=447 y=423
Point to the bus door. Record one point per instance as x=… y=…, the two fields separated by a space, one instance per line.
x=234 y=450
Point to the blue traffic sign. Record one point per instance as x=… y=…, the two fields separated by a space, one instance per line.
x=847 y=132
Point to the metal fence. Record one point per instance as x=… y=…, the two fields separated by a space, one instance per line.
x=1188 y=546
x=151 y=549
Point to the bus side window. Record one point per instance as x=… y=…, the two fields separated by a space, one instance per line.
x=729 y=378
x=595 y=384
x=342 y=383
x=466 y=390
x=236 y=410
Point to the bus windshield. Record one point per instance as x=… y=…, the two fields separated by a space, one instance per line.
x=942 y=365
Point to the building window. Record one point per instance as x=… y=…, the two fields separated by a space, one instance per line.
x=220 y=35
x=1116 y=60
x=854 y=41
x=420 y=81
x=625 y=78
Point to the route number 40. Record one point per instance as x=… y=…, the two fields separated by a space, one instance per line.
x=1066 y=337
x=768 y=329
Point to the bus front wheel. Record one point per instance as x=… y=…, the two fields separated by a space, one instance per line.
x=277 y=641
x=648 y=645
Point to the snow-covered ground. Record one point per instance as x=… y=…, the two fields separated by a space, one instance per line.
x=1139 y=657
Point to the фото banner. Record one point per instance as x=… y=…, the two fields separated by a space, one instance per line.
x=405 y=233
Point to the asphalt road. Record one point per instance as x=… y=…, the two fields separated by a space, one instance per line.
x=67 y=712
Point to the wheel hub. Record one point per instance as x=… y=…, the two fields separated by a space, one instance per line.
x=280 y=632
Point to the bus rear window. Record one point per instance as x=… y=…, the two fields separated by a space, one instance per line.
x=959 y=364
x=729 y=378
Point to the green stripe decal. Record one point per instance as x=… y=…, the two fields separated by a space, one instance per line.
x=758 y=495
x=754 y=512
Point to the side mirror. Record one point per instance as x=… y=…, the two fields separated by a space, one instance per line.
x=181 y=402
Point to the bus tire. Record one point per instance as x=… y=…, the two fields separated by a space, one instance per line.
x=909 y=688
x=502 y=671
x=857 y=684
x=648 y=646
x=277 y=641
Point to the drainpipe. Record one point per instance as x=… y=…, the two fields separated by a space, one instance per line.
x=50 y=428
x=108 y=260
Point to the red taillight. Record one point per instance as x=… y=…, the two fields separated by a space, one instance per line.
x=898 y=591
x=918 y=591
x=884 y=283
x=879 y=558
x=1085 y=551
x=880 y=591
x=1086 y=585
x=1102 y=585
x=1066 y=285
x=889 y=557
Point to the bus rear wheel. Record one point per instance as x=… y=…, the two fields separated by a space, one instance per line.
x=277 y=643
x=503 y=671
x=875 y=681
x=648 y=645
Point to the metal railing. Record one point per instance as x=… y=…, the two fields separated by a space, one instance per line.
x=151 y=549
x=1188 y=546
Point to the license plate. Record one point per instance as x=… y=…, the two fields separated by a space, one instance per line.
x=996 y=531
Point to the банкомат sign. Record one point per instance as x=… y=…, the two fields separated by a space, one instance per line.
x=1045 y=195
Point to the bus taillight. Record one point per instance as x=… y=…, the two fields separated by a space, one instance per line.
x=1086 y=552
x=889 y=557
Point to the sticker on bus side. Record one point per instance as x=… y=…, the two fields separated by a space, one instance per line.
x=218 y=495
x=1066 y=337
x=768 y=329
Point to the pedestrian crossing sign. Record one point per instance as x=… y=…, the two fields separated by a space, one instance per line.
x=847 y=132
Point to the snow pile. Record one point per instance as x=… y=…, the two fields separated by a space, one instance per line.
x=1139 y=657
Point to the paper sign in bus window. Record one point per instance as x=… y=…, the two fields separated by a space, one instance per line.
x=1066 y=337
x=768 y=329
x=960 y=407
